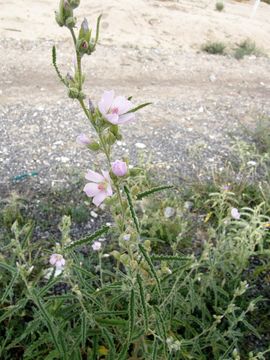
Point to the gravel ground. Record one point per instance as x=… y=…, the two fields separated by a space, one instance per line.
x=198 y=100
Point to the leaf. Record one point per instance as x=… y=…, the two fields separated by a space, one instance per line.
x=89 y=238
x=138 y=108
x=143 y=302
x=28 y=235
x=132 y=210
x=153 y=190
x=49 y=323
x=8 y=268
x=97 y=29
x=151 y=266
x=131 y=312
x=8 y=289
x=56 y=67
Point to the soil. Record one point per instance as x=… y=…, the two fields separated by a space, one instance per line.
x=149 y=49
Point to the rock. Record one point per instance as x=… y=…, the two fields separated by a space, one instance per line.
x=140 y=145
x=212 y=78
x=94 y=214
x=169 y=212
x=188 y=205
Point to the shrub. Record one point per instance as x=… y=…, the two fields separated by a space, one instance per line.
x=215 y=48
x=245 y=48
x=219 y=6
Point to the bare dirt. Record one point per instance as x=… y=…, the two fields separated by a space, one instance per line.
x=149 y=49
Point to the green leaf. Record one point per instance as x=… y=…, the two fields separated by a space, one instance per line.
x=89 y=238
x=97 y=30
x=8 y=268
x=8 y=289
x=56 y=67
x=131 y=312
x=143 y=302
x=49 y=323
x=138 y=108
x=151 y=266
x=153 y=190
x=132 y=210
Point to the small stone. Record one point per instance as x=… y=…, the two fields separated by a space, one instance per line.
x=94 y=214
x=212 y=78
x=188 y=205
x=140 y=145
x=64 y=159
x=201 y=109
x=169 y=212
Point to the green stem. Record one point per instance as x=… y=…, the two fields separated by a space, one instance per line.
x=88 y=115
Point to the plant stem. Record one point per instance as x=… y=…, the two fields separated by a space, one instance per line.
x=105 y=150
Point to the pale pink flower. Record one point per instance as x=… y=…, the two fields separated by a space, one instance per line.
x=83 y=139
x=96 y=245
x=235 y=214
x=57 y=260
x=115 y=109
x=119 y=168
x=100 y=186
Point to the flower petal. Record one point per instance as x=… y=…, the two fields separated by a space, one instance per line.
x=126 y=118
x=94 y=176
x=122 y=104
x=99 y=198
x=91 y=189
x=112 y=118
x=106 y=101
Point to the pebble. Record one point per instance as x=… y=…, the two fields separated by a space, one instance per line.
x=94 y=214
x=140 y=145
x=169 y=212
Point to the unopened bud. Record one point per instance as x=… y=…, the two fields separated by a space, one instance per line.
x=91 y=106
x=74 y=3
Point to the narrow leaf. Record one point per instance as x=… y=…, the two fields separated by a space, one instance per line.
x=138 y=108
x=55 y=65
x=131 y=317
x=143 y=302
x=89 y=238
x=8 y=289
x=153 y=190
x=132 y=210
x=151 y=266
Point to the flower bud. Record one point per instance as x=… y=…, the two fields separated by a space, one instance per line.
x=119 y=168
x=83 y=140
x=74 y=3
x=73 y=93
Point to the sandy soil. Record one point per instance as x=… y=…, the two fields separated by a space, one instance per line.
x=149 y=49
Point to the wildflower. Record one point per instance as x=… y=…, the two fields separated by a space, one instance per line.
x=119 y=168
x=96 y=246
x=83 y=140
x=57 y=260
x=115 y=110
x=100 y=186
x=126 y=237
x=235 y=214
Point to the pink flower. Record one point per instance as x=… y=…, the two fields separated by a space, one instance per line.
x=96 y=245
x=235 y=214
x=83 y=139
x=119 y=168
x=100 y=186
x=57 y=260
x=115 y=109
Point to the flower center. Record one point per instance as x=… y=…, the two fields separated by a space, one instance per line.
x=115 y=110
x=102 y=186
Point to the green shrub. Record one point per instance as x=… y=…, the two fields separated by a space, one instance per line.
x=219 y=6
x=215 y=48
x=245 y=48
